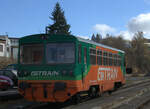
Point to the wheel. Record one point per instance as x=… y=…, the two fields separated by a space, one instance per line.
x=76 y=99
x=93 y=92
x=110 y=92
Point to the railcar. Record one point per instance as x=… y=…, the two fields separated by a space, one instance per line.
x=56 y=68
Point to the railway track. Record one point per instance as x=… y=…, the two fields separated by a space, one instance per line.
x=104 y=102
x=145 y=105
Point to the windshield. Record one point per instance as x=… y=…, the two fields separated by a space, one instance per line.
x=31 y=54
x=60 y=53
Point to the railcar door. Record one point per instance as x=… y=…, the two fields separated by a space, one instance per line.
x=85 y=61
x=82 y=61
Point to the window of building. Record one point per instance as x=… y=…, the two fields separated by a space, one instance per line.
x=1 y=48
x=85 y=55
x=99 y=57
x=7 y=49
x=79 y=53
x=93 y=56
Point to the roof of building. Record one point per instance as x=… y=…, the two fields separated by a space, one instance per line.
x=3 y=37
x=13 y=38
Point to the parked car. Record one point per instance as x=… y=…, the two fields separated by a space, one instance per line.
x=5 y=83
x=12 y=67
x=11 y=75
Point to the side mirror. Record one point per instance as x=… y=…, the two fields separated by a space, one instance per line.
x=129 y=70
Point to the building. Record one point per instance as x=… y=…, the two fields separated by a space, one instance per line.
x=9 y=46
x=14 y=42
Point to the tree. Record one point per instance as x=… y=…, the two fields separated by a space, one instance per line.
x=60 y=25
x=140 y=54
x=136 y=51
x=93 y=38
x=114 y=41
x=98 y=38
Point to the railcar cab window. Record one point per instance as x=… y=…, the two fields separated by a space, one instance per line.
x=92 y=56
x=31 y=54
x=60 y=53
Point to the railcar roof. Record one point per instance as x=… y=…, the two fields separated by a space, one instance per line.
x=98 y=44
x=79 y=39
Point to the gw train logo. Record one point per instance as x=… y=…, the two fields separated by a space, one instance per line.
x=44 y=73
x=107 y=74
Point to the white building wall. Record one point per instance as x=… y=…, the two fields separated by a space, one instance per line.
x=10 y=46
x=15 y=53
x=2 y=53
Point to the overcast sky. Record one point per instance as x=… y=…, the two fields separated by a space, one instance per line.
x=24 y=17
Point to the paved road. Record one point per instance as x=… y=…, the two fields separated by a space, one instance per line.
x=8 y=92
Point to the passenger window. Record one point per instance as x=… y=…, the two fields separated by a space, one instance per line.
x=85 y=55
x=110 y=59
x=93 y=56
x=105 y=58
x=99 y=57
x=115 y=59
x=79 y=53
x=119 y=60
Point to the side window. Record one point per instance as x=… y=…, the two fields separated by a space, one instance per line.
x=119 y=60
x=93 y=56
x=115 y=59
x=79 y=53
x=99 y=57
x=104 y=58
x=110 y=59
x=85 y=55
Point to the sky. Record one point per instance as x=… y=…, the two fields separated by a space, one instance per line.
x=19 y=18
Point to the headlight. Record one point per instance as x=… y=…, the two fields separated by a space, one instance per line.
x=64 y=72
x=71 y=73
